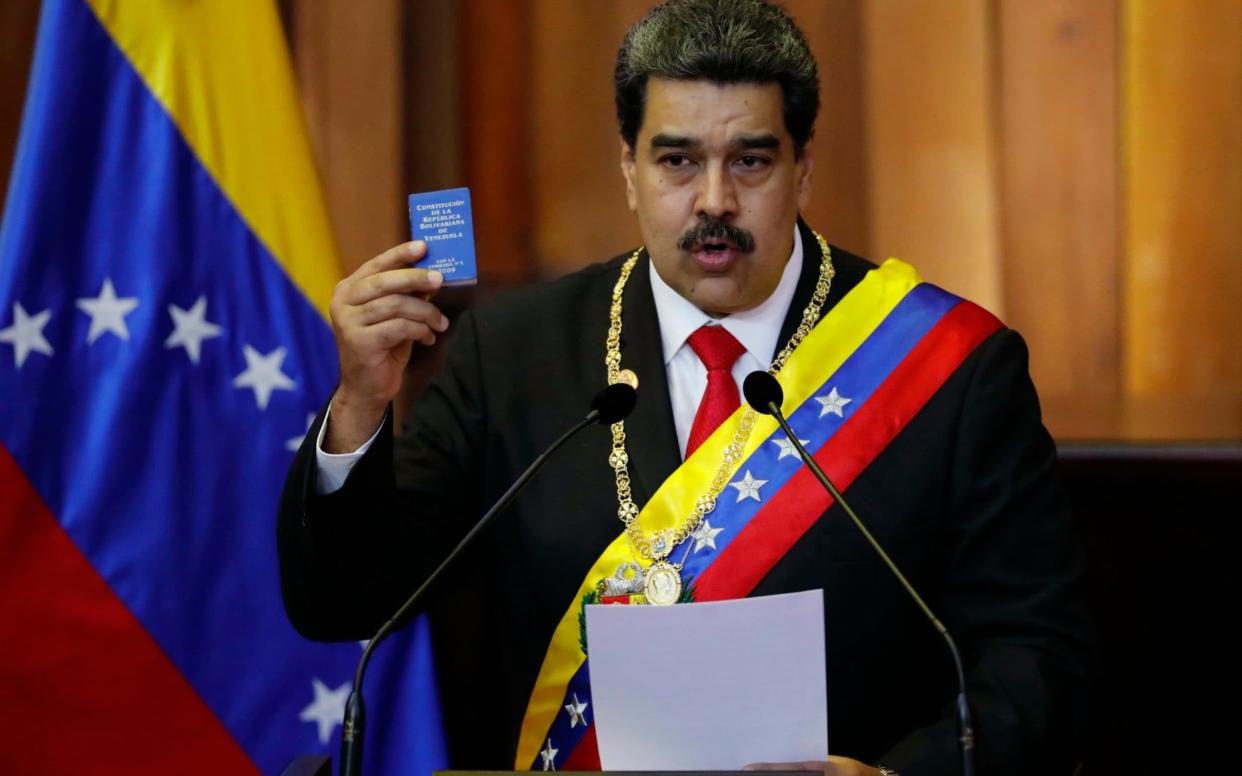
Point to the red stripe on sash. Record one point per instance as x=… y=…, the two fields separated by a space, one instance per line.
x=83 y=688
x=796 y=507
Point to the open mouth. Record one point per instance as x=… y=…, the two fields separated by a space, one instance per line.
x=716 y=244
x=714 y=256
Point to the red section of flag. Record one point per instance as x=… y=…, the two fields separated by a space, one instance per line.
x=83 y=688
x=585 y=756
x=796 y=507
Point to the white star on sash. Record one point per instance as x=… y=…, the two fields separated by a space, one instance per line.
x=833 y=402
x=26 y=334
x=547 y=754
x=748 y=487
x=787 y=447
x=327 y=709
x=107 y=312
x=705 y=535
x=575 y=710
x=190 y=328
x=263 y=375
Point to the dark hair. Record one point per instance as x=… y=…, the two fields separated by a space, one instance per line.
x=725 y=41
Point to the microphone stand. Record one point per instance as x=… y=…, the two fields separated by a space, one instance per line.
x=610 y=405
x=770 y=405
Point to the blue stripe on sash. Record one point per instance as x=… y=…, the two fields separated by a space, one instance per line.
x=856 y=380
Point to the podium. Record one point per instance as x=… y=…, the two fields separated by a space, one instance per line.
x=321 y=765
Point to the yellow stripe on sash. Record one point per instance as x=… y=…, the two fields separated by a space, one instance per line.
x=839 y=333
x=221 y=70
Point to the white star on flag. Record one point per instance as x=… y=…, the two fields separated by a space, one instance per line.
x=107 y=312
x=547 y=754
x=26 y=334
x=748 y=487
x=787 y=447
x=190 y=328
x=293 y=443
x=327 y=709
x=575 y=710
x=705 y=535
x=833 y=402
x=263 y=375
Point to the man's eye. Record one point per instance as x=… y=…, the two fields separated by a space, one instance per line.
x=676 y=160
x=751 y=162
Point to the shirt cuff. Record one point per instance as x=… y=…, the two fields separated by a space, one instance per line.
x=334 y=468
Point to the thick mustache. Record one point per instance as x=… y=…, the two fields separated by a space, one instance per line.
x=716 y=230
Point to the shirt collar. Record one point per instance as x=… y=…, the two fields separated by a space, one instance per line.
x=758 y=328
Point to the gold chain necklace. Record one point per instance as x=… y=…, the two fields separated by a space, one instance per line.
x=662 y=579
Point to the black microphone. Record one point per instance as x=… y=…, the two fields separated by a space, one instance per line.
x=764 y=394
x=610 y=405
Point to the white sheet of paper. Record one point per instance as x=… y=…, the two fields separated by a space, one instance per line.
x=711 y=685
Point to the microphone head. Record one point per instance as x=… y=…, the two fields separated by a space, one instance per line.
x=614 y=403
x=762 y=389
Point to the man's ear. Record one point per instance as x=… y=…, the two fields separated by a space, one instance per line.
x=806 y=165
x=627 y=171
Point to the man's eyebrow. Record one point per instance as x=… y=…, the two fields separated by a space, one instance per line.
x=674 y=141
x=762 y=140
x=765 y=140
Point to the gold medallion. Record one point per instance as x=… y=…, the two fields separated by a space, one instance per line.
x=663 y=584
x=628 y=377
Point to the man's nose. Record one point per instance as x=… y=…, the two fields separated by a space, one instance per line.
x=717 y=194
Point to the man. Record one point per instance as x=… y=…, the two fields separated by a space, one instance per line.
x=918 y=403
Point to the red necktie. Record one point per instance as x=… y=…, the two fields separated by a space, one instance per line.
x=718 y=350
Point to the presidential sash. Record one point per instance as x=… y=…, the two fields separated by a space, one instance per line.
x=884 y=349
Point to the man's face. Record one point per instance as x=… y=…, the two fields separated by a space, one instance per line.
x=717 y=189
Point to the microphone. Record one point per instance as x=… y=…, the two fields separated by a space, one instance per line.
x=764 y=394
x=608 y=406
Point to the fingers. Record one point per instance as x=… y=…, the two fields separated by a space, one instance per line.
x=403 y=255
x=400 y=306
x=390 y=334
x=420 y=282
x=390 y=272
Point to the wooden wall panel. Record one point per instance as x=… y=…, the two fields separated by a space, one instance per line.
x=18 y=24
x=494 y=43
x=580 y=210
x=840 y=194
x=433 y=112
x=349 y=70
x=932 y=142
x=1182 y=118
x=1059 y=190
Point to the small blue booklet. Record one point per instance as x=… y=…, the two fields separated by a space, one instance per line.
x=442 y=219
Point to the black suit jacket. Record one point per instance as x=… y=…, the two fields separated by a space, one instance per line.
x=964 y=499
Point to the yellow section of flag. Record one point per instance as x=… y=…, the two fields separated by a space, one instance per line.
x=241 y=117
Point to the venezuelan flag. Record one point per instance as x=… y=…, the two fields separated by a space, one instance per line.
x=165 y=270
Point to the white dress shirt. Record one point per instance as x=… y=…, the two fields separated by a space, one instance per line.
x=758 y=329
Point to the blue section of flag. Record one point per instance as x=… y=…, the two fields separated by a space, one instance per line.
x=165 y=471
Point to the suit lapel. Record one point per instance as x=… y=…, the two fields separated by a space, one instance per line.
x=650 y=432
